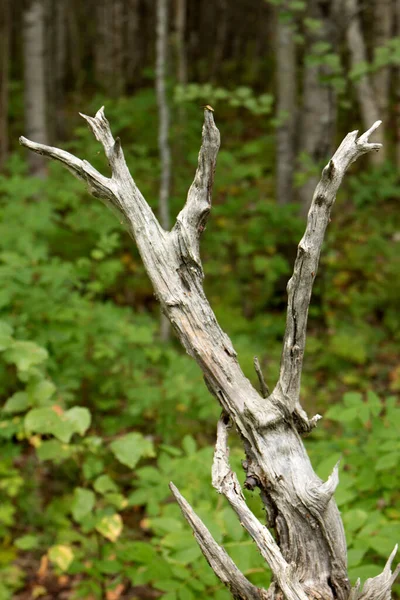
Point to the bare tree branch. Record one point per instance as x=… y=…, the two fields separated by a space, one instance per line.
x=220 y=562
x=306 y=264
x=192 y=219
x=226 y=482
x=263 y=385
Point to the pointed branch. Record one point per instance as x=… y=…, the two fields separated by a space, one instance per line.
x=218 y=559
x=263 y=385
x=379 y=587
x=192 y=219
x=306 y=264
x=226 y=482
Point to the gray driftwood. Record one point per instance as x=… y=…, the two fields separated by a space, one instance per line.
x=307 y=553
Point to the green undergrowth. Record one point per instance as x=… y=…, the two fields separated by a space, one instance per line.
x=98 y=416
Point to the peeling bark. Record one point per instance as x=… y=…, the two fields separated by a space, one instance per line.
x=307 y=555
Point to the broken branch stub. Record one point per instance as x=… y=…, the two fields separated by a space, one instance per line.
x=307 y=555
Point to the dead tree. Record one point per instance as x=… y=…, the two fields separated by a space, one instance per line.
x=307 y=553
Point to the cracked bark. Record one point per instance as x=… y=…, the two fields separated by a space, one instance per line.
x=307 y=554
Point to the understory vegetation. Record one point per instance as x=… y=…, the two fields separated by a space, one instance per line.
x=98 y=415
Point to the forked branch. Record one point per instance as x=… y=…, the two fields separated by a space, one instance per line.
x=308 y=553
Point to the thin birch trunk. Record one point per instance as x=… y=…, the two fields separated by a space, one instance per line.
x=287 y=106
x=4 y=70
x=363 y=85
x=34 y=80
x=163 y=128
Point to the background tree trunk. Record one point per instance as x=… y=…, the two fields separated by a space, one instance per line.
x=287 y=104
x=163 y=129
x=4 y=68
x=34 y=80
x=319 y=106
x=363 y=85
x=382 y=32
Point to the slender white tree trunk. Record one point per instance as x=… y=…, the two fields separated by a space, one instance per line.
x=34 y=79
x=163 y=127
x=287 y=106
x=364 y=88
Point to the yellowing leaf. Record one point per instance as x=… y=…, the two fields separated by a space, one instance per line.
x=61 y=555
x=110 y=527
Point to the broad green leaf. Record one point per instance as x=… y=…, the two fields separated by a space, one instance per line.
x=80 y=418
x=5 y=335
x=53 y=450
x=104 y=484
x=41 y=391
x=17 y=403
x=130 y=448
x=110 y=527
x=25 y=355
x=61 y=555
x=82 y=504
x=189 y=445
x=47 y=420
x=27 y=542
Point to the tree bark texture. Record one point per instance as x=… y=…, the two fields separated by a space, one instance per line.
x=4 y=62
x=34 y=80
x=358 y=54
x=287 y=105
x=307 y=556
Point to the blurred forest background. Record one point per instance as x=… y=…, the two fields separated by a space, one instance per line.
x=101 y=408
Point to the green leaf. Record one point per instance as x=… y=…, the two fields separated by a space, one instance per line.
x=5 y=336
x=104 y=484
x=42 y=391
x=130 y=448
x=46 y=420
x=25 y=354
x=82 y=504
x=61 y=555
x=354 y=519
x=189 y=445
x=80 y=418
x=17 y=403
x=26 y=542
x=110 y=527
x=53 y=450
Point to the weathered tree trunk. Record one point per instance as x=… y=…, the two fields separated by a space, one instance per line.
x=286 y=106
x=307 y=556
x=319 y=107
x=34 y=80
x=4 y=66
x=364 y=88
x=163 y=128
